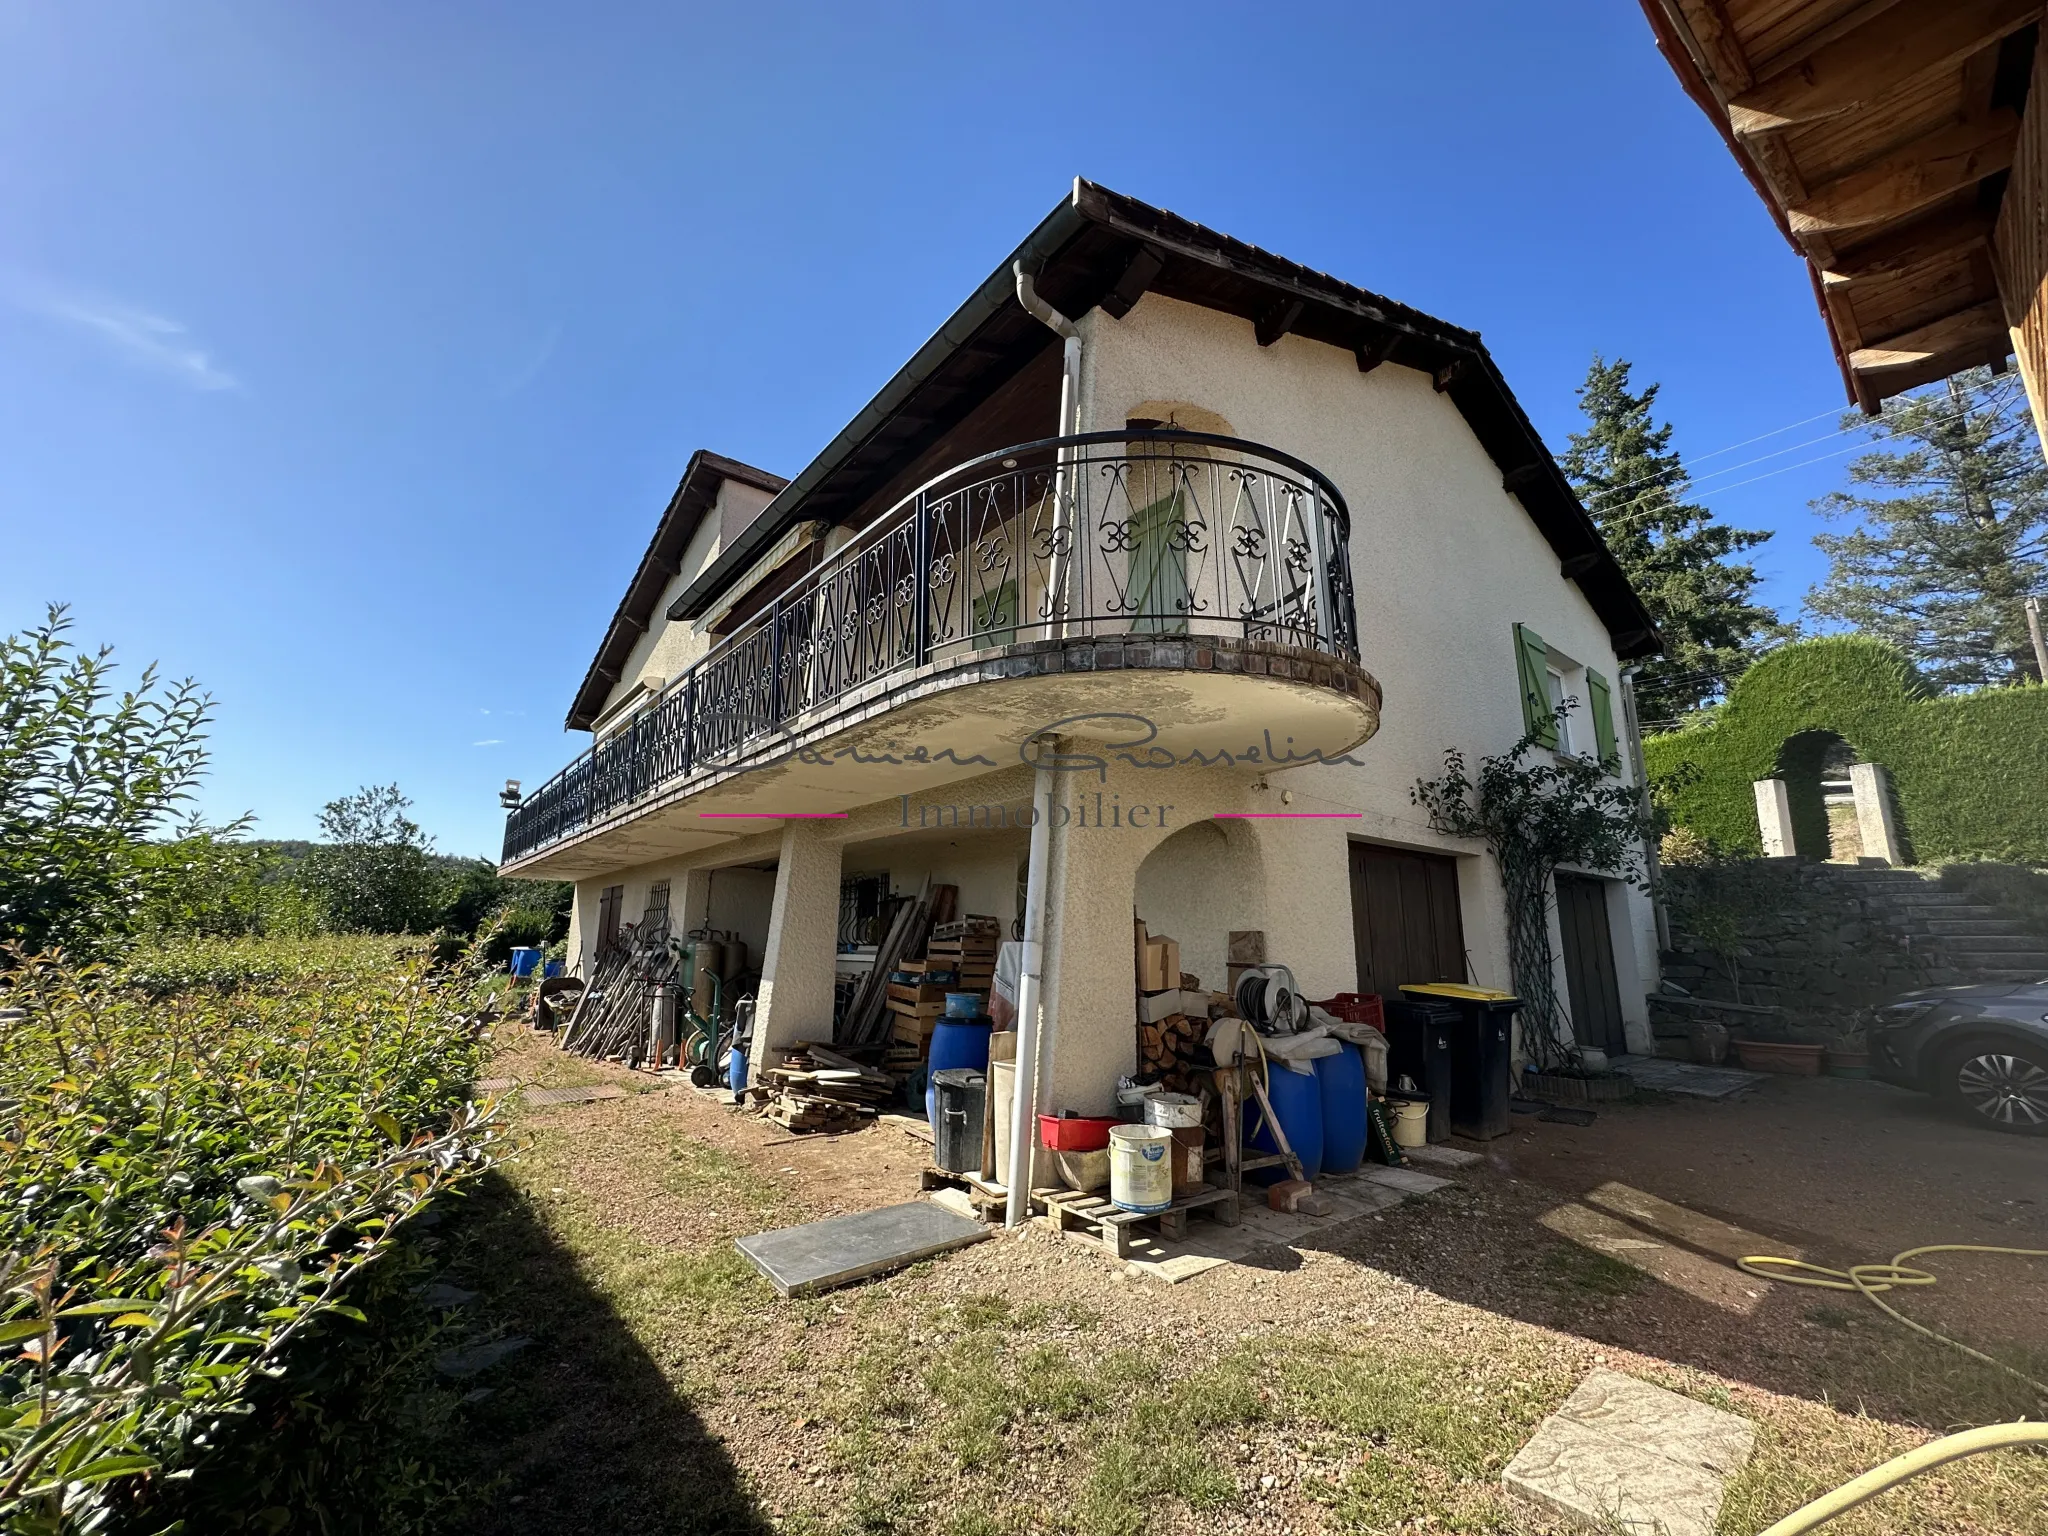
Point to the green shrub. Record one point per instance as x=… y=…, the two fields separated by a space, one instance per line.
x=177 y=965
x=1964 y=766
x=197 y=1187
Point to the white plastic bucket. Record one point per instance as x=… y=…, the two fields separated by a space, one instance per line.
x=1175 y=1111
x=1141 y=1167
x=1411 y=1122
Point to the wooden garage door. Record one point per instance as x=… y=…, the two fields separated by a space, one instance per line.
x=1589 y=963
x=1404 y=916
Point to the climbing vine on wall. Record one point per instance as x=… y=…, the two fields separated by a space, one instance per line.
x=1537 y=810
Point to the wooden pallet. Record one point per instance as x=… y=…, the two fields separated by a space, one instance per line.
x=1093 y=1218
x=991 y=1202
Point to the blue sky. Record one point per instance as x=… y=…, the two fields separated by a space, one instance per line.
x=348 y=353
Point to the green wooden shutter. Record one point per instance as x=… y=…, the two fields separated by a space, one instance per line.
x=1532 y=667
x=1603 y=714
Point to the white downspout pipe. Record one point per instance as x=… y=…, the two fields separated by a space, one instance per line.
x=1030 y=987
x=1057 y=578
x=1030 y=984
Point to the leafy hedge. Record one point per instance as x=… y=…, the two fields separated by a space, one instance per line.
x=193 y=1185
x=1965 y=768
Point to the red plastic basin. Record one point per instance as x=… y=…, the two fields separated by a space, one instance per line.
x=1075 y=1133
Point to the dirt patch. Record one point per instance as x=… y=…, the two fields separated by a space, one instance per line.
x=1376 y=1381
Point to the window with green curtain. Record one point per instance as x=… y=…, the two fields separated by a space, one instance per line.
x=1601 y=698
x=1532 y=668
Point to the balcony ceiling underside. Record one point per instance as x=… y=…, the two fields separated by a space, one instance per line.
x=928 y=732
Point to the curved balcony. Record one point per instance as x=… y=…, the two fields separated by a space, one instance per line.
x=1129 y=551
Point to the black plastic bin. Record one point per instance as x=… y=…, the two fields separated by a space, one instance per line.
x=1419 y=1039
x=959 y=1095
x=1482 y=1055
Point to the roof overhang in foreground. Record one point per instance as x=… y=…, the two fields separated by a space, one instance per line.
x=1882 y=138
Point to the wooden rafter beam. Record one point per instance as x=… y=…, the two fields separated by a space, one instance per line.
x=1899 y=250
x=1968 y=330
x=1720 y=50
x=1145 y=264
x=1372 y=353
x=1277 y=321
x=1899 y=44
x=1910 y=178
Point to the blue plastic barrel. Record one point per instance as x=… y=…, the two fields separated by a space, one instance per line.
x=1342 y=1079
x=525 y=962
x=955 y=1043
x=552 y=968
x=1298 y=1101
x=736 y=1069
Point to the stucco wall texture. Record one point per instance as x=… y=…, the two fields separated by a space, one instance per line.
x=1445 y=563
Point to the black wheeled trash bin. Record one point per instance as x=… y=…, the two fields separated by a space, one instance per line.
x=1419 y=1036
x=1482 y=1055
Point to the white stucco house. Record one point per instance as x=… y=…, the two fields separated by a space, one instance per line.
x=1245 y=539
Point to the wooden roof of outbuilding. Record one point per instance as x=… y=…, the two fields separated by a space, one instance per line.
x=1880 y=134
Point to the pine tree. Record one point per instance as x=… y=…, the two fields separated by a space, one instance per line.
x=1675 y=555
x=1951 y=535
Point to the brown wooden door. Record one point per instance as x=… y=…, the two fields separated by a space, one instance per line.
x=1404 y=918
x=1589 y=963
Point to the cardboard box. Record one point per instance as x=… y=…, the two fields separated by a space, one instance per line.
x=1155 y=974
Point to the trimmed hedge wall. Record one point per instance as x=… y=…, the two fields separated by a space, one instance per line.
x=1969 y=771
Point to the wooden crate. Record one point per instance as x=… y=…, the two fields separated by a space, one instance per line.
x=1093 y=1219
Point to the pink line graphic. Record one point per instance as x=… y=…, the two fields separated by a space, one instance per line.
x=1288 y=815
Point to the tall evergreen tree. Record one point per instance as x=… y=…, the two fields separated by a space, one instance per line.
x=1951 y=532
x=1677 y=557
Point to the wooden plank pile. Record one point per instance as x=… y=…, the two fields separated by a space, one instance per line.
x=968 y=949
x=614 y=1016
x=868 y=1020
x=813 y=1088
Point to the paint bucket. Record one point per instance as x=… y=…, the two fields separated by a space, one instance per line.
x=1141 y=1168
x=1411 y=1122
x=1174 y=1111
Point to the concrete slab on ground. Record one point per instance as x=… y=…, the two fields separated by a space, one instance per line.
x=574 y=1095
x=1433 y=1156
x=1667 y=1076
x=1622 y=1455
x=819 y=1255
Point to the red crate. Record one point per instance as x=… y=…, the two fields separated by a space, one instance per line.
x=1357 y=1008
x=1075 y=1133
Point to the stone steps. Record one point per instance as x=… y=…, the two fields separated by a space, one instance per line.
x=1971 y=927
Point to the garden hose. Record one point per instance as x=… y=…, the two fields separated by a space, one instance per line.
x=1868 y=1280
x=1890 y=1474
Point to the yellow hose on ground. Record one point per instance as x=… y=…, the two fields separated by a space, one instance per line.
x=1868 y=1280
x=1935 y=1453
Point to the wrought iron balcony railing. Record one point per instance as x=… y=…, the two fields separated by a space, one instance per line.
x=1146 y=534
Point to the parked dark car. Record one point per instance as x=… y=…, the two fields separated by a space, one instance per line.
x=1982 y=1049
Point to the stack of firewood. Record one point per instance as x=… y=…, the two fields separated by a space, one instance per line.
x=813 y=1088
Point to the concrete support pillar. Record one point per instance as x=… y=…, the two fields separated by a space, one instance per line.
x=1774 y=818
x=1091 y=975
x=689 y=902
x=803 y=932
x=1875 y=817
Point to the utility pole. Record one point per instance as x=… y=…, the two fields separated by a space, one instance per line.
x=2033 y=607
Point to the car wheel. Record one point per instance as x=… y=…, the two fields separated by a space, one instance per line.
x=2000 y=1083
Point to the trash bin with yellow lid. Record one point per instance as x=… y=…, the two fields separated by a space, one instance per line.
x=1482 y=1054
